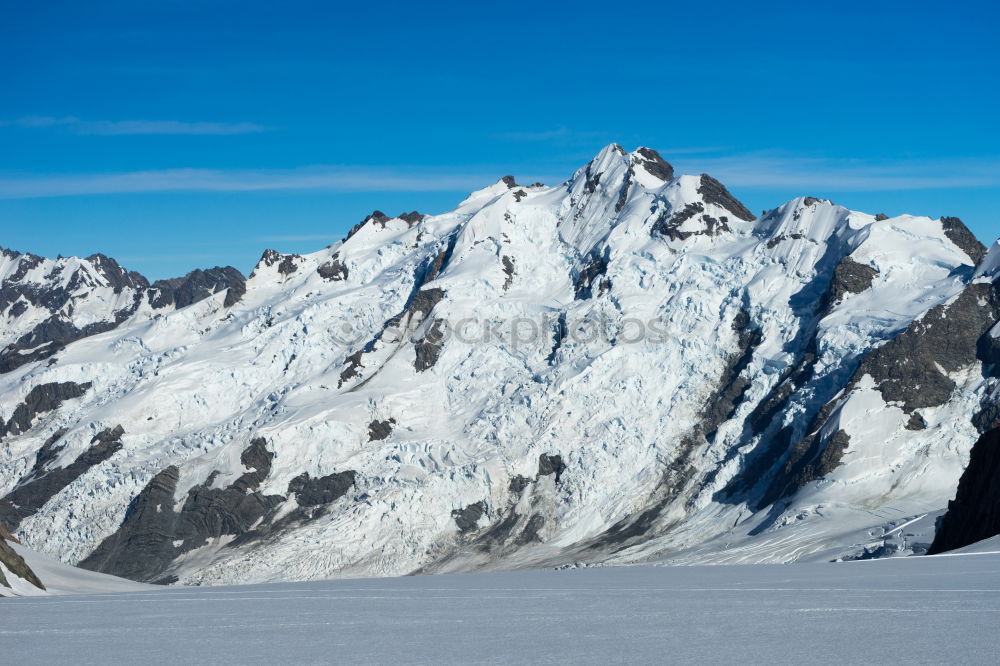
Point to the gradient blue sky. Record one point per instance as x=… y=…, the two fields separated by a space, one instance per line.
x=174 y=135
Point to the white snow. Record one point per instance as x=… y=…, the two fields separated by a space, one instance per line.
x=990 y=268
x=925 y=610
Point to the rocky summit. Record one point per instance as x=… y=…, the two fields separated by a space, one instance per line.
x=628 y=366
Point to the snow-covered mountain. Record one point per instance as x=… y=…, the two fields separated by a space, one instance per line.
x=628 y=366
x=46 y=304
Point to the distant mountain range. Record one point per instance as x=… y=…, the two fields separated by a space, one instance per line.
x=627 y=366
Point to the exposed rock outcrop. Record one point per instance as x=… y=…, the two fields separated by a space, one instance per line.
x=17 y=566
x=196 y=286
x=959 y=234
x=716 y=193
x=41 y=484
x=850 y=277
x=654 y=164
x=153 y=533
x=42 y=398
x=974 y=514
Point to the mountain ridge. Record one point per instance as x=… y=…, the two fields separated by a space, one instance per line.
x=333 y=402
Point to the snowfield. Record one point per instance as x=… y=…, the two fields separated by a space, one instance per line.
x=916 y=610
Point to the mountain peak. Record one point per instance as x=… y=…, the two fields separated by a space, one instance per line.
x=716 y=193
x=651 y=161
x=959 y=234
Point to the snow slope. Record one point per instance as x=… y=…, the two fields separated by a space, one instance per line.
x=921 y=610
x=627 y=366
x=61 y=579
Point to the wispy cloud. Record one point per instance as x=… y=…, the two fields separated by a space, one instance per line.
x=295 y=239
x=330 y=178
x=543 y=135
x=561 y=134
x=693 y=150
x=122 y=127
x=804 y=175
x=187 y=256
x=777 y=171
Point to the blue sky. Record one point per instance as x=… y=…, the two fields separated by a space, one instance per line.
x=173 y=135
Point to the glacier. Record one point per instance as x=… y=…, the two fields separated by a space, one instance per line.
x=626 y=367
x=923 y=610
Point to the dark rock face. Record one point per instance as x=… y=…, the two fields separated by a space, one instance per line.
x=593 y=180
x=352 y=367
x=654 y=164
x=916 y=422
x=323 y=490
x=269 y=257
x=509 y=182
x=468 y=518
x=425 y=300
x=763 y=420
x=623 y=192
x=518 y=483
x=411 y=218
x=143 y=547
x=153 y=534
x=551 y=464
x=4 y=532
x=733 y=385
x=592 y=274
x=803 y=462
x=530 y=533
x=428 y=349
x=237 y=291
x=43 y=398
x=508 y=270
x=117 y=277
x=41 y=485
x=288 y=265
x=17 y=566
x=959 y=234
x=781 y=238
x=333 y=270
x=881 y=217
x=907 y=370
x=988 y=417
x=286 y=262
x=377 y=217
x=379 y=430
x=974 y=514
x=669 y=223
x=52 y=335
x=196 y=286
x=716 y=193
x=849 y=277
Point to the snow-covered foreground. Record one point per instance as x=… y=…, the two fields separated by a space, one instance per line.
x=916 y=610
